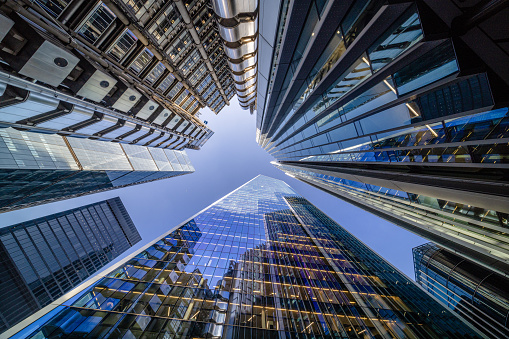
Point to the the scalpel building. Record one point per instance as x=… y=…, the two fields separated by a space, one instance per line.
x=262 y=262
x=398 y=107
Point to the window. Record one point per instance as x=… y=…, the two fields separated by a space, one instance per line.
x=189 y=62
x=97 y=23
x=141 y=61
x=432 y=66
x=201 y=87
x=166 y=83
x=179 y=46
x=181 y=97
x=197 y=74
x=123 y=45
x=192 y=107
x=155 y=73
x=53 y=7
x=174 y=91
x=165 y=24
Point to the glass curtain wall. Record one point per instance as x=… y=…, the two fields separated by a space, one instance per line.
x=262 y=262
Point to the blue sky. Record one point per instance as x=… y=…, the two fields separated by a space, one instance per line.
x=230 y=158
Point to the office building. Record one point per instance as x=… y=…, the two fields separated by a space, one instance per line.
x=473 y=291
x=37 y=168
x=261 y=262
x=398 y=107
x=125 y=71
x=44 y=258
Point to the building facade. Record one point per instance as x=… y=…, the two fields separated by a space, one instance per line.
x=262 y=262
x=475 y=292
x=399 y=108
x=42 y=259
x=134 y=72
x=37 y=168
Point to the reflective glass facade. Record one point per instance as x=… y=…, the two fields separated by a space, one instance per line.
x=37 y=168
x=473 y=291
x=262 y=262
x=376 y=103
x=42 y=259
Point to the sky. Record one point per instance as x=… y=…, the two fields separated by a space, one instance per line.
x=230 y=158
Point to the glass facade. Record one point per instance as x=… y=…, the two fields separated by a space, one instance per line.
x=42 y=259
x=37 y=168
x=384 y=114
x=473 y=291
x=262 y=262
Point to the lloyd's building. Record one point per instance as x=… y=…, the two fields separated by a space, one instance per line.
x=96 y=95
x=398 y=107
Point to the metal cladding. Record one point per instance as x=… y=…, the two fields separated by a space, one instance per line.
x=130 y=74
x=238 y=27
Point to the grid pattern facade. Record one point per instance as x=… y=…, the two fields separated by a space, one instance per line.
x=137 y=71
x=381 y=110
x=475 y=292
x=37 y=168
x=261 y=262
x=45 y=258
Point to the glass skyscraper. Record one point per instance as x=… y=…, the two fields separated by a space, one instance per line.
x=262 y=262
x=44 y=258
x=36 y=168
x=473 y=291
x=397 y=107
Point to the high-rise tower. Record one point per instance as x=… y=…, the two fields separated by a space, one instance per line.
x=44 y=258
x=36 y=168
x=262 y=262
x=398 y=107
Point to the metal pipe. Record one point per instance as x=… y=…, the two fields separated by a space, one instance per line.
x=234 y=32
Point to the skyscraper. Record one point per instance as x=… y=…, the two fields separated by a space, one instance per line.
x=42 y=259
x=473 y=291
x=397 y=107
x=123 y=71
x=37 y=168
x=261 y=262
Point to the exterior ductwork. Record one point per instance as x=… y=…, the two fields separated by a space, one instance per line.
x=238 y=27
x=239 y=50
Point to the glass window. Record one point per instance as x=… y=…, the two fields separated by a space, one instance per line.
x=179 y=46
x=155 y=73
x=190 y=62
x=166 y=83
x=197 y=74
x=181 y=97
x=95 y=25
x=432 y=66
x=123 y=45
x=403 y=34
x=175 y=90
x=135 y=5
x=201 y=87
x=53 y=7
x=165 y=24
x=192 y=107
x=141 y=61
